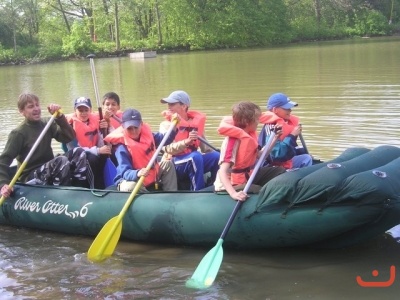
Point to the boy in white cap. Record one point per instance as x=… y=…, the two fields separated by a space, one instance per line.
x=284 y=152
x=190 y=163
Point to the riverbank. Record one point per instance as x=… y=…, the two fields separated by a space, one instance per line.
x=37 y=59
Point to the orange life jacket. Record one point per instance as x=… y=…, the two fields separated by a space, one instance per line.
x=141 y=151
x=197 y=121
x=114 y=123
x=269 y=117
x=87 y=134
x=247 y=152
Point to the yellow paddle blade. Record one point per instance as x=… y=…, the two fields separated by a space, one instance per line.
x=104 y=244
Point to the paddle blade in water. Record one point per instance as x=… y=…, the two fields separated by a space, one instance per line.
x=207 y=270
x=104 y=244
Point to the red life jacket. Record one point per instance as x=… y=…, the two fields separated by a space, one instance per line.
x=247 y=151
x=87 y=134
x=197 y=121
x=141 y=151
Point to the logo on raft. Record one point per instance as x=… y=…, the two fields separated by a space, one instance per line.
x=50 y=207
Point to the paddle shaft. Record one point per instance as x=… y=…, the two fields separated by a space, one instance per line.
x=28 y=157
x=303 y=143
x=204 y=141
x=96 y=90
x=260 y=161
x=148 y=167
x=208 y=268
x=116 y=118
x=128 y=202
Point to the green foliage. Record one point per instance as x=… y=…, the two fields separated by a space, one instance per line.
x=51 y=52
x=48 y=33
x=369 y=23
x=308 y=29
x=7 y=55
x=23 y=55
x=78 y=43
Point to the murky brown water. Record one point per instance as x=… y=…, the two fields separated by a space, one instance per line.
x=348 y=94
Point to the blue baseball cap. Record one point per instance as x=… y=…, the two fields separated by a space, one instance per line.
x=280 y=100
x=82 y=101
x=131 y=117
x=177 y=96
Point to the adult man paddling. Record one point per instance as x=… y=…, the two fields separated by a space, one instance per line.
x=42 y=167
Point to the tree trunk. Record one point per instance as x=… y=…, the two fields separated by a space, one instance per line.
x=317 y=8
x=160 y=38
x=64 y=16
x=117 y=41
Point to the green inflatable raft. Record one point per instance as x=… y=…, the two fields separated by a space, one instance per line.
x=339 y=203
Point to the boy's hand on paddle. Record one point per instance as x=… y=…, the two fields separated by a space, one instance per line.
x=175 y=117
x=239 y=195
x=107 y=114
x=6 y=191
x=278 y=130
x=192 y=137
x=297 y=130
x=103 y=124
x=143 y=172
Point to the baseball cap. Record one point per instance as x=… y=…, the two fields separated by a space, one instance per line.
x=177 y=96
x=131 y=117
x=82 y=101
x=280 y=100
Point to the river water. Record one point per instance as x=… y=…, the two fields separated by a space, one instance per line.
x=348 y=94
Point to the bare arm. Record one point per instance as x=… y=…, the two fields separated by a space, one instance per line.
x=224 y=177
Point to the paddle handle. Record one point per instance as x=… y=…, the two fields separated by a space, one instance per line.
x=267 y=149
x=28 y=157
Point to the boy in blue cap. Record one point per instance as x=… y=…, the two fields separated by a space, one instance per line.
x=284 y=152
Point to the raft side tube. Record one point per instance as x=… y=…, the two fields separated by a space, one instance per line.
x=316 y=186
x=282 y=187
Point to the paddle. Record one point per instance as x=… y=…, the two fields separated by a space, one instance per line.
x=303 y=143
x=207 y=270
x=104 y=244
x=204 y=141
x=27 y=158
x=110 y=170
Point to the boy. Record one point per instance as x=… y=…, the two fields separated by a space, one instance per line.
x=135 y=145
x=284 y=152
x=112 y=110
x=239 y=152
x=190 y=163
x=87 y=129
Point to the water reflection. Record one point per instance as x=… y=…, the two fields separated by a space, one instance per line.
x=51 y=266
